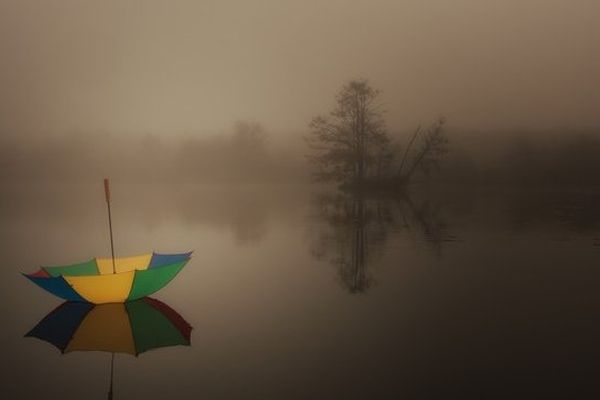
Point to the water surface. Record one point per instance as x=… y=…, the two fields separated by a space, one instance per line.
x=299 y=292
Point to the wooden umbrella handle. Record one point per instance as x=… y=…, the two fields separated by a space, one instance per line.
x=112 y=247
x=107 y=190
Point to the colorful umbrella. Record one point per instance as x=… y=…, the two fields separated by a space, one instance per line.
x=110 y=280
x=93 y=281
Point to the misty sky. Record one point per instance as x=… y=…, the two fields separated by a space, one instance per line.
x=169 y=67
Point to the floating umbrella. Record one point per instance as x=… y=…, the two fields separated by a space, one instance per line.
x=110 y=280
x=93 y=281
x=130 y=328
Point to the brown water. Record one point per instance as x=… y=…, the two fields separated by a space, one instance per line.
x=295 y=292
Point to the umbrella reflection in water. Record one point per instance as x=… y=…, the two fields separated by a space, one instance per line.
x=131 y=328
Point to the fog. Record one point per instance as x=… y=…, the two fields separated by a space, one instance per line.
x=188 y=67
x=147 y=90
x=453 y=260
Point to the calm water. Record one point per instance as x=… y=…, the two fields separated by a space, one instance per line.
x=300 y=293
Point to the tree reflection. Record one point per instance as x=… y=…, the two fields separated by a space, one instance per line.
x=355 y=229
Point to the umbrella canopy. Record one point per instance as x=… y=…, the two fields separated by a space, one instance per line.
x=94 y=281
x=130 y=328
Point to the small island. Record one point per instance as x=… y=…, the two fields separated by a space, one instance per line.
x=352 y=147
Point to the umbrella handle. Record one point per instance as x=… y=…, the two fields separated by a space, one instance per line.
x=107 y=190
x=112 y=247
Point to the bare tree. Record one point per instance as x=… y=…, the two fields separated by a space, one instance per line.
x=351 y=146
x=433 y=146
x=249 y=136
x=351 y=140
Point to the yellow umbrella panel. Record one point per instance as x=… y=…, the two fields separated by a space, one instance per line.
x=94 y=282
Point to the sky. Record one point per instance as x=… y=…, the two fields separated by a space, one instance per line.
x=194 y=67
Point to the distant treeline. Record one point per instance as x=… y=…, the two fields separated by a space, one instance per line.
x=246 y=154
x=556 y=157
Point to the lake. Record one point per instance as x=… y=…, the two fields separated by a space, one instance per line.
x=303 y=292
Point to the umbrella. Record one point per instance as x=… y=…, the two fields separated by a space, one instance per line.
x=93 y=281
x=130 y=328
x=110 y=280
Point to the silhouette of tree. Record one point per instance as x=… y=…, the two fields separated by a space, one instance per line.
x=350 y=146
x=433 y=146
x=248 y=155
x=351 y=143
x=249 y=136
